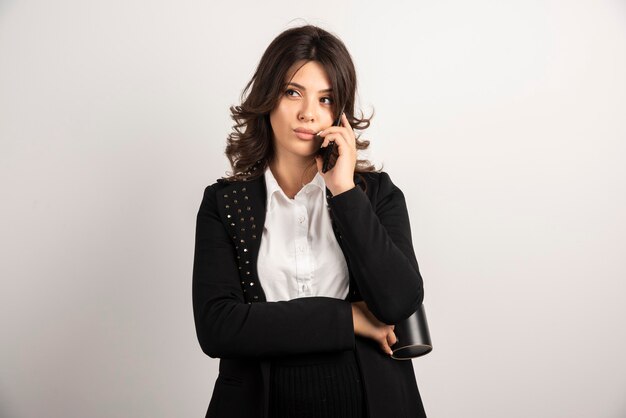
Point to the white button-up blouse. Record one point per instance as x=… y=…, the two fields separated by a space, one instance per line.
x=299 y=255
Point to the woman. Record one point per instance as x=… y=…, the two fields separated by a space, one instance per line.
x=299 y=274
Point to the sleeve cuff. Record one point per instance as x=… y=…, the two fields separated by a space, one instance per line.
x=348 y=200
x=349 y=337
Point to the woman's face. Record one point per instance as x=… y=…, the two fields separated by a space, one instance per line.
x=305 y=103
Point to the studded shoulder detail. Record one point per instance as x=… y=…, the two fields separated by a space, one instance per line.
x=243 y=229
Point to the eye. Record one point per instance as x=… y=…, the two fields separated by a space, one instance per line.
x=289 y=91
x=330 y=100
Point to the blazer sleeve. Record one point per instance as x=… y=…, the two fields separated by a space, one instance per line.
x=378 y=246
x=228 y=327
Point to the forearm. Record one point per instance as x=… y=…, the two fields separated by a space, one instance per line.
x=379 y=250
x=228 y=329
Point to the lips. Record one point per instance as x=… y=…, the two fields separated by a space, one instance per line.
x=303 y=133
x=304 y=130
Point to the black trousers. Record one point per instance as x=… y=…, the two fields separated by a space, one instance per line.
x=318 y=385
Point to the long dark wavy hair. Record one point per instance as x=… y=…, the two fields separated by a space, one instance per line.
x=249 y=147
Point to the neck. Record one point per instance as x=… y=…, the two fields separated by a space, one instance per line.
x=292 y=174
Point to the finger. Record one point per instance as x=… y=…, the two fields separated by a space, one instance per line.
x=345 y=131
x=327 y=139
x=344 y=120
x=386 y=348
x=346 y=124
x=337 y=138
x=391 y=338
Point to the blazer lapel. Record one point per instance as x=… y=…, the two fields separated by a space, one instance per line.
x=242 y=209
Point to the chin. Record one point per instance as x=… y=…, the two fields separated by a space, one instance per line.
x=303 y=148
x=298 y=147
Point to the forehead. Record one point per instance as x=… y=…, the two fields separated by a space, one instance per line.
x=311 y=73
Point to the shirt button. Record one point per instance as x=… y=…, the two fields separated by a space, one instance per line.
x=301 y=219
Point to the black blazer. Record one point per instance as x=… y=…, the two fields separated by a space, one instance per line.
x=234 y=321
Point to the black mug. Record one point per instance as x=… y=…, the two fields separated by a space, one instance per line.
x=413 y=337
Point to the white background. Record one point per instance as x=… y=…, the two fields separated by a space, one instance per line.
x=502 y=122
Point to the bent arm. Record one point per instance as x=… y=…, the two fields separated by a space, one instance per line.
x=378 y=245
x=227 y=327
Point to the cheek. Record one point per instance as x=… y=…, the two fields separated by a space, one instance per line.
x=330 y=117
x=279 y=117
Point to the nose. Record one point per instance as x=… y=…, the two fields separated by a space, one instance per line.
x=305 y=116
x=307 y=112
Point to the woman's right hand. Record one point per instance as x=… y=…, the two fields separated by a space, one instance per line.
x=367 y=325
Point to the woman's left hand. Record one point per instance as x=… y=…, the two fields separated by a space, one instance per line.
x=367 y=325
x=340 y=178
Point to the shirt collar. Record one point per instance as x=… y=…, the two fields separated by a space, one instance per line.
x=273 y=187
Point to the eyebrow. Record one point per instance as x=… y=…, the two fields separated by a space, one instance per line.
x=304 y=88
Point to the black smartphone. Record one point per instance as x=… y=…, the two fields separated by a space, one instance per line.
x=329 y=153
